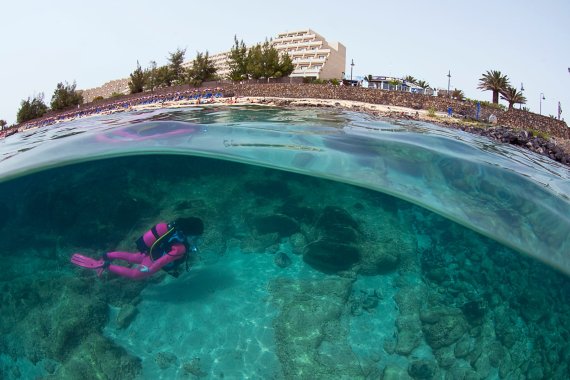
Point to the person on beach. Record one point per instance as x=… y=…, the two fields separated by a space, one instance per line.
x=165 y=246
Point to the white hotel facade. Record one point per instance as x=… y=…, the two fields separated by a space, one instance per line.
x=312 y=55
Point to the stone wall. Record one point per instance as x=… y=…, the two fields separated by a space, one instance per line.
x=514 y=118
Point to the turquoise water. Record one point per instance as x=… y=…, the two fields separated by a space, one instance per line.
x=336 y=246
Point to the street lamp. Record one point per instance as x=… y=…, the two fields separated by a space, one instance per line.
x=522 y=90
x=351 y=66
x=448 y=82
x=541 y=99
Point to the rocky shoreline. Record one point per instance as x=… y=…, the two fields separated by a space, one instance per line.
x=554 y=148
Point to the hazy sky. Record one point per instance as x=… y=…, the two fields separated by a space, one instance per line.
x=46 y=42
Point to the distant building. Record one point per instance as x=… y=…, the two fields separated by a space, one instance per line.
x=312 y=55
x=117 y=86
x=396 y=84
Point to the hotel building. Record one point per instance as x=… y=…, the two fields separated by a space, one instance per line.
x=312 y=55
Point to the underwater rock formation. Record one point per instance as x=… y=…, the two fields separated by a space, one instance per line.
x=335 y=247
x=282 y=260
x=442 y=326
x=409 y=300
x=60 y=319
x=310 y=335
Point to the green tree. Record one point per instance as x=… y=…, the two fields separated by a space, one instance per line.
x=65 y=96
x=137 y=82
x=175 y=65
x=494 y=81
x=410 y=79
x=423 y=84
x=31 y=108
x=513 y=96
x=2 y=124
x=237 y=61
x=163 y=77
x=286 y=65
x=202 y=69
x=255 y=65
x=263 y=61
x=150 y=77
x=270 y=61
x=458 y=95
x=394 y=83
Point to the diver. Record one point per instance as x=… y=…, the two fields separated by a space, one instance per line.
x=165 y=246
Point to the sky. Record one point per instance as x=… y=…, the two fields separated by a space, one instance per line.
x=43 y=43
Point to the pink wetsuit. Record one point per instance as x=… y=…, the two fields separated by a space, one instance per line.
x=146 y=267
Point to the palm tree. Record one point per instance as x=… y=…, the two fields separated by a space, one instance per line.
x=423 y=84
x=494 y=81
x=458 y=95
x=513 y=96
x=411 y=79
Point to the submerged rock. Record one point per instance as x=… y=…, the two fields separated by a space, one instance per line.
x=422 y=369
x=282 y=260
x=331 y=256
x=310 y=332
x=335 y=248
x=445 y=327
x=165 y=359
x=126 y=316
x=392 y=372
x=298 y=243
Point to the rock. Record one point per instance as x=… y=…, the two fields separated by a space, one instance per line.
x=462 y=348
x=422 y=369
x=298 y=243
x=447 y=329
x=99 y=358
x=409 y=333
x=282 y=260
x=331 y=256
x=337 y=224
x=165 y=359
x=194 y=368
x=407 y=341
x=445 y=357
x=483 y=366
x=474 y=311
x=335 y=248
x=308 y=329
x=126 y=316
x=392 y=372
